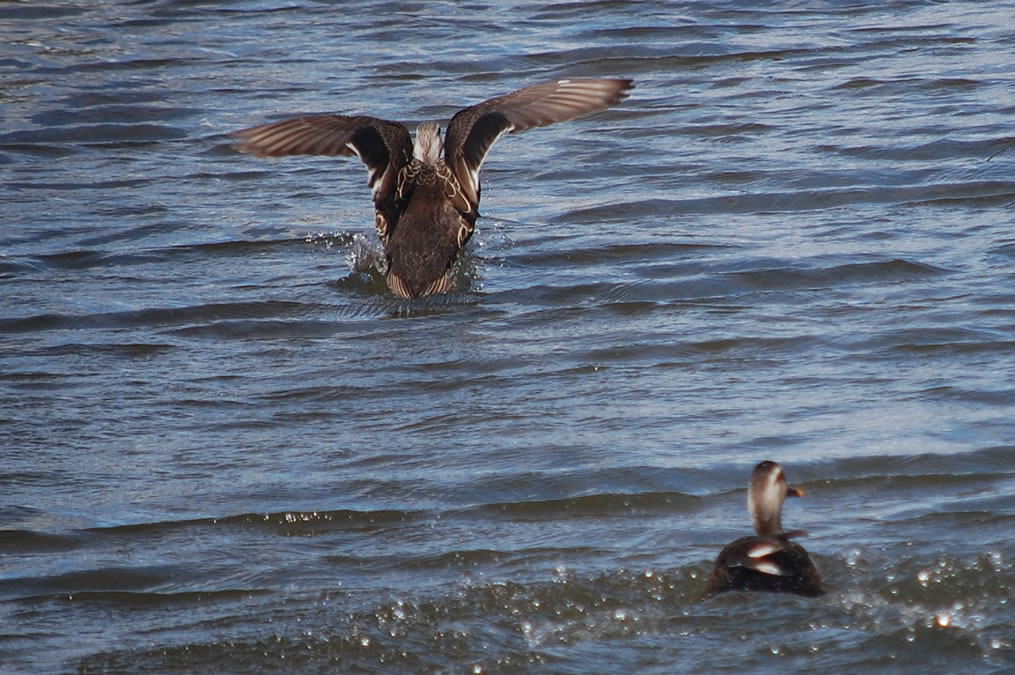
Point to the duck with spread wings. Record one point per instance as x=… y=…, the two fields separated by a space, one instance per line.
x=426 y=194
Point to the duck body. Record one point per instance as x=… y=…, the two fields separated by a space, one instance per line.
x=755 y=563
x=768 y=560
x=428 y=234
x=426 y=192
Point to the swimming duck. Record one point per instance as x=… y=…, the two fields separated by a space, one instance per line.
x=767 y=561
x=426 y=204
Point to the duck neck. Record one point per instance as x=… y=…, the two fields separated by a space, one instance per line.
x=768 y=524
x=764 y=502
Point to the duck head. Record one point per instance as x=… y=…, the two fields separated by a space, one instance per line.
x=428 y=145
x=765 y=496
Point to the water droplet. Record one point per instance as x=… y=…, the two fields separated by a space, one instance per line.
x=923 y=576
x=944 y=620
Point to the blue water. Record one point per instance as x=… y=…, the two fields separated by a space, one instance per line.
x=227 y=447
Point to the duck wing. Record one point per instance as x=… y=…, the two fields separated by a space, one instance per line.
x=765 y=564
x=759 y=554
x=473 y=130
x=384 y=147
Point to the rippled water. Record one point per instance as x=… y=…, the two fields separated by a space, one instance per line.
x=227 y=447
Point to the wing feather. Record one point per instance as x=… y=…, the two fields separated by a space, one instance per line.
x=384 y=147
x=473 y=130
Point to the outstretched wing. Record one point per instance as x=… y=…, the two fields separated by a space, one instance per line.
x=384 y=147
x=474 y=130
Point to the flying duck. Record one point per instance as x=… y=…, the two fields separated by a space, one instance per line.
x=426 y=204
x=767 y=561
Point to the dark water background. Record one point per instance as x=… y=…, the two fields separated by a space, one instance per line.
x=225 y=446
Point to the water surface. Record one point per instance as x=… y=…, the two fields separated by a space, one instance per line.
x=225 y=445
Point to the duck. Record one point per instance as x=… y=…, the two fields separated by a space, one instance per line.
x=768 y=560
x=426 y=192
